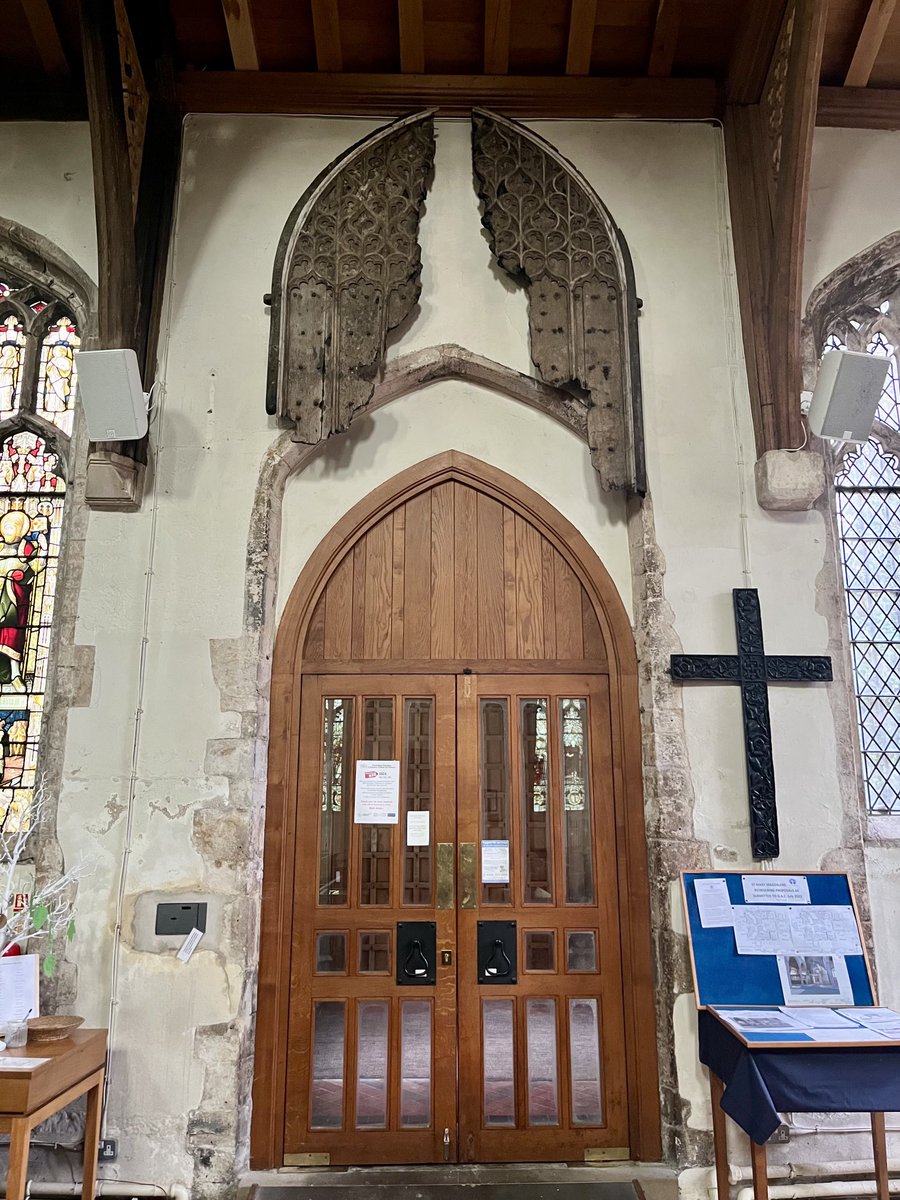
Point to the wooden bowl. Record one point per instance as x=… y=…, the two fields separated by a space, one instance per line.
x=52 y=1029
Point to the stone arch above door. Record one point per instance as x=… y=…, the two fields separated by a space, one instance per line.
x=413 y=531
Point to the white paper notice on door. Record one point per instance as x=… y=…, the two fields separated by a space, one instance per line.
x=495 y=862
x=377 y=794
x=418 y=831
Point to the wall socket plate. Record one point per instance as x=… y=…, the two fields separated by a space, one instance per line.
x=108 y=1150
x=180 y=918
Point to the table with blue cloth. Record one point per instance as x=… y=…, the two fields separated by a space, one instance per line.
x=753 y=1086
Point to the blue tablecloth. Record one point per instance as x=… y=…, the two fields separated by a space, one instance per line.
x=760 y=1084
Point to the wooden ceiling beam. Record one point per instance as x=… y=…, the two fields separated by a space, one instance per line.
x=858 y=108
x=327 y=34
x=665 y=38
x=241 y=37
x=453 y=95
x=582 y=21
x=753 y=50
x=496 y=36
x=768 y=149
x=412 y=36
x=874 y=28
x=46 y=38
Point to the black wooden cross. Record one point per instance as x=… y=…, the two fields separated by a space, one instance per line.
x=754 y=670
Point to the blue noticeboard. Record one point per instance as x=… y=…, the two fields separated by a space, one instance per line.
x=722 y=976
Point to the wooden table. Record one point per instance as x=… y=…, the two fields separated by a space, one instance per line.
x=29 y=1095
x=758 y=1152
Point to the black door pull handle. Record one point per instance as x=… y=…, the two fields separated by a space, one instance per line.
x=416 y=965
x=499 y=963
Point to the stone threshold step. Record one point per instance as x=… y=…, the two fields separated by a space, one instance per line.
x=387 y=1189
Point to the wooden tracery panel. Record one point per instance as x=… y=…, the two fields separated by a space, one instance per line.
x=453 y=574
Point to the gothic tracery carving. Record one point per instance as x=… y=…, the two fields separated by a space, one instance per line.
x=346 y=273
x=550 y=231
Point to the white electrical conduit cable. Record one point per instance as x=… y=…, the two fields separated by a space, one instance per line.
x=839 y=1187
x=110 y=1187
x=840 y=1170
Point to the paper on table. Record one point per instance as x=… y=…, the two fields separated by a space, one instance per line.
x=884 y=1020
x=20 y=1064
x=713 y=903
x=775 y=889
x=19 y=988
x=805 y=929
x=854 y=1033
x=495 y=862
x=377 y=793
x=771 y=1020
x=418 y=832
x=819 y=1017
x=815 y=979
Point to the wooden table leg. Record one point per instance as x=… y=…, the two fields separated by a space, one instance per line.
x=720 y=1140
x=92 y=1139
x=880 y=1153
x=760 y=1171
x=17 y=1174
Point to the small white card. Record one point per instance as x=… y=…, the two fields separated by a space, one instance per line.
x=19 y=988
x=765 y=888
x=418 y=828
x=189 y=945
x=713 y=903
x=377 y=793
x=495 y=862
x=21 y=1064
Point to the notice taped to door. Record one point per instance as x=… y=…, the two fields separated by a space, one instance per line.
x=376 y=799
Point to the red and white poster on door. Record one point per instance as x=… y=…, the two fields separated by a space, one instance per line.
x=377 y=793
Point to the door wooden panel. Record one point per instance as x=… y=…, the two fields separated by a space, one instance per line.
x=550 y=737
x=371 y=1074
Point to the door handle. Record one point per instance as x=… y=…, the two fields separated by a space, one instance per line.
x=416 y=965
x=498 y=965
x=468 y=861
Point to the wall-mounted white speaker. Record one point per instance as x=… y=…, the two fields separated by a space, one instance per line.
x=114 y=402
x=848 y=388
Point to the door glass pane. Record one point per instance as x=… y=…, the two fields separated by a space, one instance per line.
x=331 y=953
x=327 y=1101
x=584 y=1055
x=576 y=802
x=543 y=1089
x=337 y=769
x=415 y=1064
x=499 y=1059
x=375 y=840
x=372 y=1064
x=581 y=950
x=536 y=828
x=375 y=952
x=495 y=820
x=418 y=757
x=539 y=950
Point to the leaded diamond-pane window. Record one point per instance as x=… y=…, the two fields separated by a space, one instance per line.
x=868 y=503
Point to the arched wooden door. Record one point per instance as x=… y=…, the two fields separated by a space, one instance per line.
x=460 y=979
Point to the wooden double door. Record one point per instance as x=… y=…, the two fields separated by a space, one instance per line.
x=456 y=978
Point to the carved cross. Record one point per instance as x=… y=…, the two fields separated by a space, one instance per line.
x=754 y=670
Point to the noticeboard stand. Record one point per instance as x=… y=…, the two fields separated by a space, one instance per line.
x=755 y=1083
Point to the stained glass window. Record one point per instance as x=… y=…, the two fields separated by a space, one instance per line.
x=56 y=373
x=868 y=506
x=38 y=339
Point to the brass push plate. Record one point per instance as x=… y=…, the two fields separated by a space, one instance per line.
x=468 y=870
x=602 y=1154
x=307 y=1160
x=445 y=875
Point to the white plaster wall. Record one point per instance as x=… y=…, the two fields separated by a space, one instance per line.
x=853 y=197
x=47 y=184
x=174 y=573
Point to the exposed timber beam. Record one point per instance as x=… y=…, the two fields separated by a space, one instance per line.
x=875 y=27
x=768 y=149
x=453 y=95
x=46 y=38
x=859 y=108
x=241 y=37
x=582 y=20
x=753 y=50
x=327 y=34
x=496 y=36
x=665 y=38
x=412 y=36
